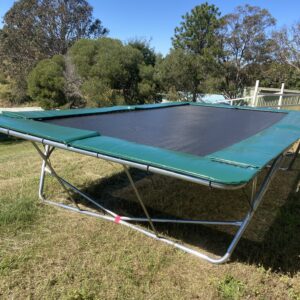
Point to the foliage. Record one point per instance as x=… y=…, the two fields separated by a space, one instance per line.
x=277 y=72
x=144 y=47
x=211 y=53
x=38 y=29
x=198 y=39
x=247 y=45
x=3 y=79
x=73 y=82
x=46 y=82
x=197 y=31
x=111 y=70
x=172 y=94
x=5 y=87
x=288 y=45
x=98 y=93
x=175 y=71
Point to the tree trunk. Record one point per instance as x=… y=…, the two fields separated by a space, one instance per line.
x=194 y=96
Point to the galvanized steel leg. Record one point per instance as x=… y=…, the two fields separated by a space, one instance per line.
x=45 y=164
x=256 y=201
x=140 y=199
x=42 y=177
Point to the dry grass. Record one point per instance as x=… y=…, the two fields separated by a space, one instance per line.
x=50 y=253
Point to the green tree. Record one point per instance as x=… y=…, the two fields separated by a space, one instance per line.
x=148 y=86
x=149 y=55
x=277 y=72
x=118 y=71
x=287 y=47
x=178 y=71
x=247 y=46
x=38 y=29
x=198 y=31
x=198 y=38
x=46 y=82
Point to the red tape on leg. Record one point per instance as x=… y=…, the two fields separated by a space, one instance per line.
x=117 y=219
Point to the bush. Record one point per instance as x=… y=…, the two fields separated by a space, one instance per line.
x=98 y=93
x=46 y=82
x=113 y=72
x=103 y=72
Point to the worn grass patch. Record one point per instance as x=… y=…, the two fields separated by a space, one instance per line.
x=48 y=253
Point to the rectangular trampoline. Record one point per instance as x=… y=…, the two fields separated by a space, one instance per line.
x=218 y=146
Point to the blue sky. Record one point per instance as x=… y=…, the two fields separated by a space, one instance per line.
x=156 y=19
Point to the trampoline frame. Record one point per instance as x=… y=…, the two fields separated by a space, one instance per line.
x=257 y=195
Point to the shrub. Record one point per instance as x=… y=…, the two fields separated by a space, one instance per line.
x=46 y=82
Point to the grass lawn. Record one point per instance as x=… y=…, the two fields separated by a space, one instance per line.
x=49 y=253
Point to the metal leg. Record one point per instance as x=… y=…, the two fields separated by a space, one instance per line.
x=42 y=177
x=253 y=192
x=140 y=199
x=256 y=199
x=47 y=163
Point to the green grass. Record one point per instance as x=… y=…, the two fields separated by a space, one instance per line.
x=18 y=213
x=49 y=253
x=230 y=288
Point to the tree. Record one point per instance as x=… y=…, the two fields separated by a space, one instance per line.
x=197 y=32
x=178 y=71
x=247 y=46
x=46 y=82
x=73 y=82
x=288 y=45
x=197 y=37
x=277 y=72
x=38 y=29
x=112 y=71
x=148 y=86
x=144 y=47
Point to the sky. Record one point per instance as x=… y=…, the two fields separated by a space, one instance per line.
x=155 y=20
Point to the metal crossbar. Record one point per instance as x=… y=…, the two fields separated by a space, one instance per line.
x=256 y=198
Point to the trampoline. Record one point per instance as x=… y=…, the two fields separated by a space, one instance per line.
x=219 y=146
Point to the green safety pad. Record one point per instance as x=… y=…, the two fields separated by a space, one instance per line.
x=220 y=105
x=46 y=131
x=160 y=105
x=49 y=114
x=259 y=149
x=192 y=165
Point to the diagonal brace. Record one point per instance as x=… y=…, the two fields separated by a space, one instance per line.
x=140 y=200
x=46 y=162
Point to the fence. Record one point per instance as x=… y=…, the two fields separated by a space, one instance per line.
x=268 y=97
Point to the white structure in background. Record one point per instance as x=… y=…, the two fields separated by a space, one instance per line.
x=270 y=97
x=20 y=109
x=201 y=98
x=266 y=97
x=211 y=98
